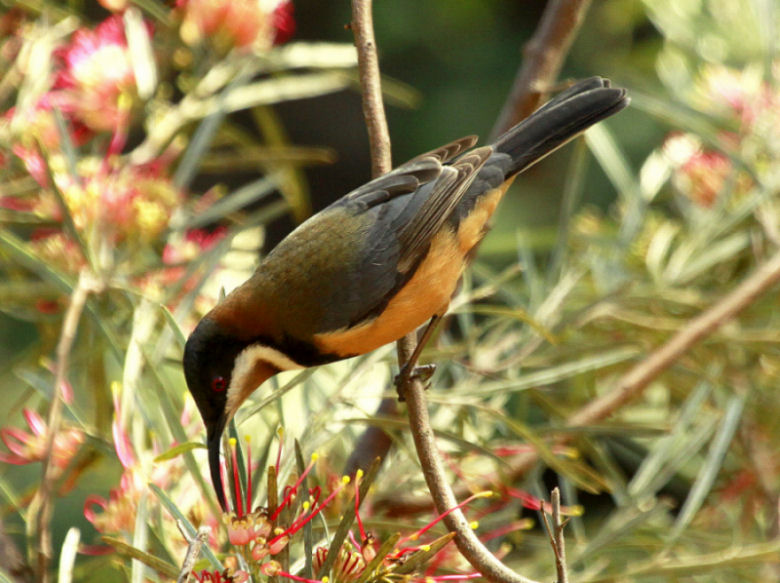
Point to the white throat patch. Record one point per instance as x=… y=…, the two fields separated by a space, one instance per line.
x=241 y=384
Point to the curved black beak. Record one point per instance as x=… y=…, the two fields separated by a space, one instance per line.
x=214 y=441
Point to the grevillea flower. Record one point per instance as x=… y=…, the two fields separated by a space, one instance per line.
x=122 y=203
x=27 y=447
x=228 y=24
x=116 y=514
x=95 y=72
x=260 y=535
x=701 y=174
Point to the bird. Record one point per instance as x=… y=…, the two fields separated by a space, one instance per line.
x=374 y=265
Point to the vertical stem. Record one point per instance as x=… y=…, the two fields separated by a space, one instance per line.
x=370 y=84
x=560 y=542
x=40 y=511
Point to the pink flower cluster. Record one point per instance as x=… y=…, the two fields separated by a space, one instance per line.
x=240 y=24
x=27 y=447
x=701 y=172
x=259 y=535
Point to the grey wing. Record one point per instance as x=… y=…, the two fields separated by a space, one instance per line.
x=401 y=212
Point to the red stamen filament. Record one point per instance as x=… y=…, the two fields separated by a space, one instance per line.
x=303 y=520
x=236 y=481
x=439 y=518
x=293 y=490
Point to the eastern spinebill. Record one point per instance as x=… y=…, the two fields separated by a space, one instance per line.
x=374 y=265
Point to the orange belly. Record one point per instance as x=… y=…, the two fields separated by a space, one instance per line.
x=426 y=294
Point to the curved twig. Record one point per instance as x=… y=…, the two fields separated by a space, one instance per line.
x=543 y=57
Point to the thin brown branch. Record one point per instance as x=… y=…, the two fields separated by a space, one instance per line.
x=370 y=84
x=555 y=532
x=40 y=510
x=543 y=57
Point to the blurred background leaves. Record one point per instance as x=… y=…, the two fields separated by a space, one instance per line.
x=162 y=147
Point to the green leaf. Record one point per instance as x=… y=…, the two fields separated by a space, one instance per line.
x=178 y=450
x=126 y=550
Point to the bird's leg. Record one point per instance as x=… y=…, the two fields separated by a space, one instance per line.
x=410 y=369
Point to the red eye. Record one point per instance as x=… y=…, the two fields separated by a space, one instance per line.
x=218 y=384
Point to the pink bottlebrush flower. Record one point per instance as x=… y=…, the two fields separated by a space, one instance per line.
x=194 y=242
x=38 y=122
x=283 y=22
x=704 y=175
x=700 y=174
x=27 y=447
x=95 y=73
x=229 y=24
x=130 y=204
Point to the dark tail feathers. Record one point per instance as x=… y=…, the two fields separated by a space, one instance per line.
x=559 y=120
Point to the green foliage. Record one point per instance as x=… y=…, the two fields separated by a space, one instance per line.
x=140 y=193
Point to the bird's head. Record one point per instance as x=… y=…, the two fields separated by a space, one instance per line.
x=222 y=370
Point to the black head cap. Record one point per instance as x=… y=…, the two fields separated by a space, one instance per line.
x=209 y=358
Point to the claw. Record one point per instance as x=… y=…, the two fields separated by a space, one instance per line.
x=421 y=372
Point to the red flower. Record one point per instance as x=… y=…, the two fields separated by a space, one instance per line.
x=283 y=22
x=30 y=447
x=96 y=70
x=241 y=24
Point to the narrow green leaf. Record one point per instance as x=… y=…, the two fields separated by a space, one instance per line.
x=711 y=467
x=382 y=552
x=662 y=449
x=235 y=201
x=126 y=550
x=178 y=450
x=557 y=373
